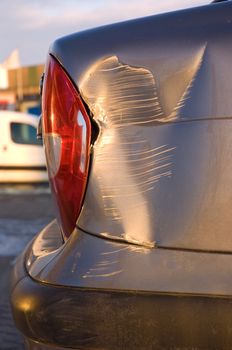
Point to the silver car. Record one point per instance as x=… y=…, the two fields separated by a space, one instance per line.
x=138 y=137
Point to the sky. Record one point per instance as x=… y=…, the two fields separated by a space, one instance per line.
x=32 y=25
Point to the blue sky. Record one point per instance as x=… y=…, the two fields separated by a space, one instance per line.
x=31 y=25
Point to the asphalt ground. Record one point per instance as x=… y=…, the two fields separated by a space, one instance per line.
x=24 y=211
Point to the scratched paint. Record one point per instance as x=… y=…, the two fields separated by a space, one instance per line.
x=87 y=261
x=151 y=181
x=143 y=153
x=123 y=99
x=161 y=168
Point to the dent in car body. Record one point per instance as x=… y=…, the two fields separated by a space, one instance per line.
x=175 y=298
x=162 y=163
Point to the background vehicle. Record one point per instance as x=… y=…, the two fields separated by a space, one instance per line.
x=22 y=156
x=137 y=131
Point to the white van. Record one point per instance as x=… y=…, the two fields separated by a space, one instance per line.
x=22 y=158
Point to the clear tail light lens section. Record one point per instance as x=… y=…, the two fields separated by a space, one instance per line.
x=67 y=138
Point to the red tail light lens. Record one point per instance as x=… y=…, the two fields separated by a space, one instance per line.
x=67 y=134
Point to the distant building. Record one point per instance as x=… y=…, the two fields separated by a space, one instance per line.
x=22 y=90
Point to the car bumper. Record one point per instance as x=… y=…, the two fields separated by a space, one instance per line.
x=59 y=317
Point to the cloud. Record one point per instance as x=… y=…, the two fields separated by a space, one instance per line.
x=31 y=25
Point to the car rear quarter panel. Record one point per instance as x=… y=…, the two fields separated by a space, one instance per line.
x=159 y=89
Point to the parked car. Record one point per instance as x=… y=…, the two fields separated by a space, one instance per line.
x=22 y=157
x=137 y=130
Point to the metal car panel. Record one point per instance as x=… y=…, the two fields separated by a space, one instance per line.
x=87 y=261
x=159 y=89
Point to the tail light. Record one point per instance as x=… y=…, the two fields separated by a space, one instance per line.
x=67 y=134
